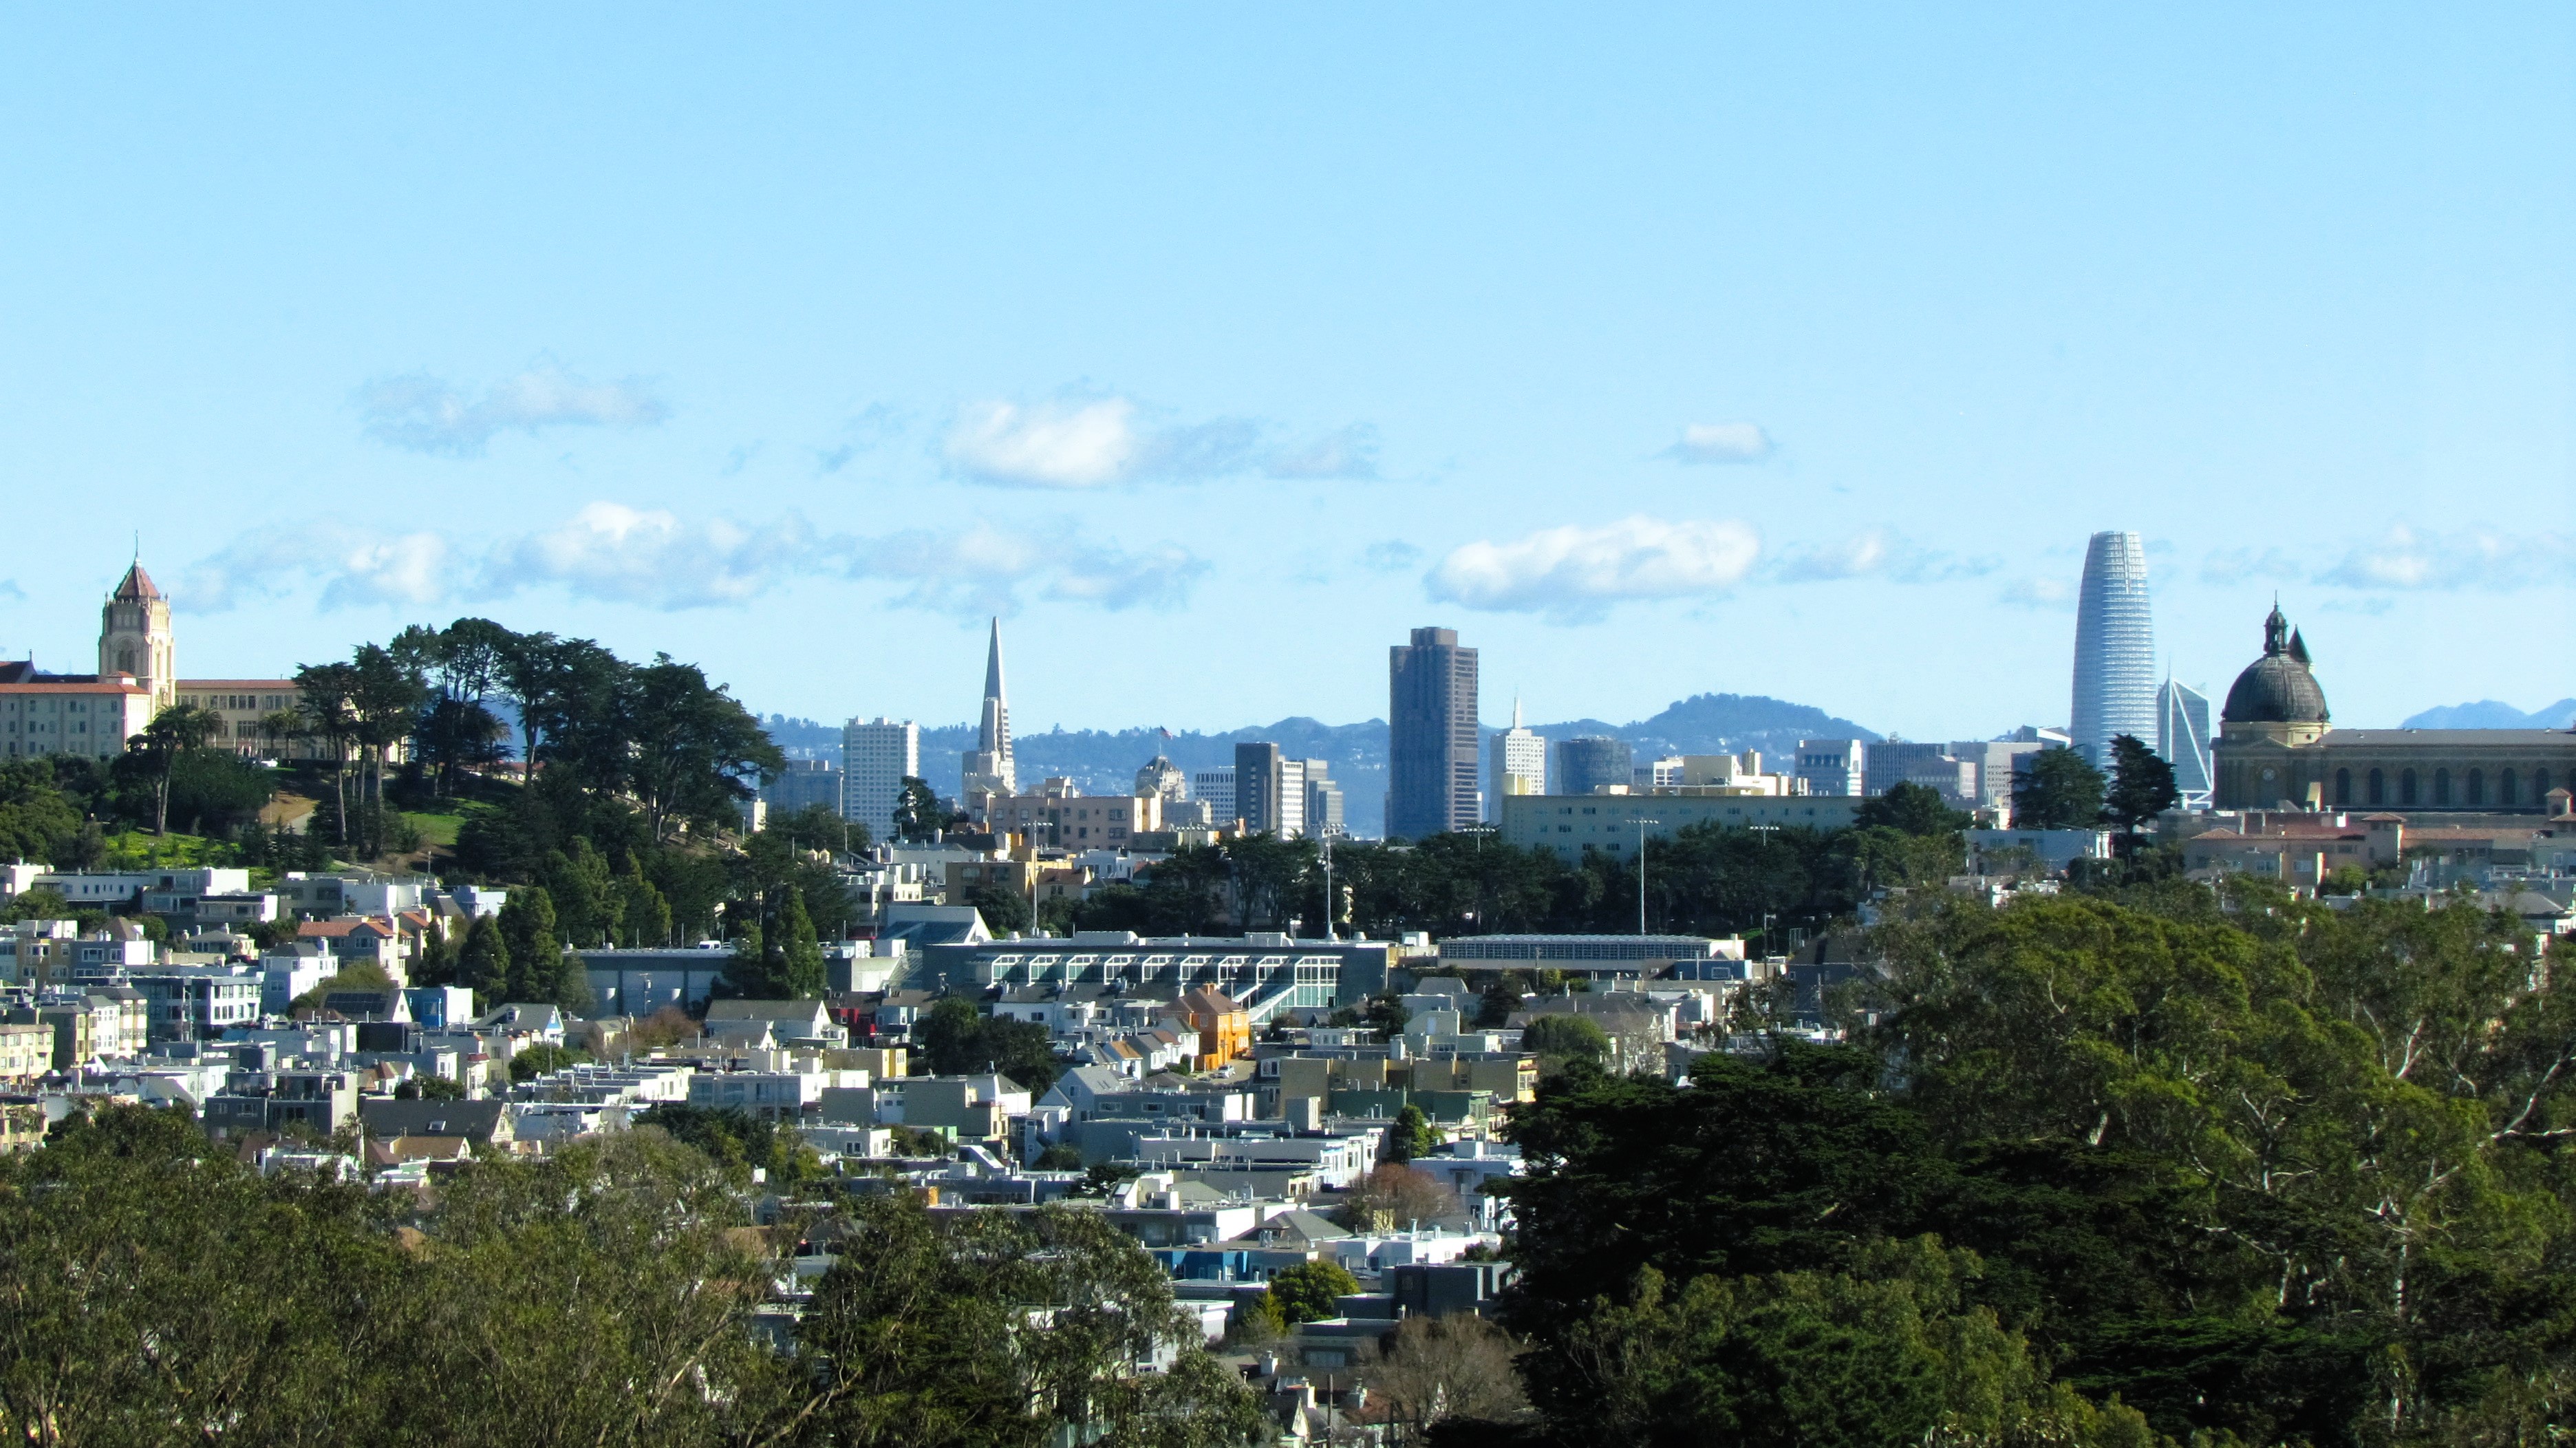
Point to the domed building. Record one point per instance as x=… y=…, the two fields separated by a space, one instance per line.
x=2277 y=748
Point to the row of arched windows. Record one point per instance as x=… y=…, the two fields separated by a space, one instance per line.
x=2443 y=788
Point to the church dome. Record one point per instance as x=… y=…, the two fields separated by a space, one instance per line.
x=2278 y=687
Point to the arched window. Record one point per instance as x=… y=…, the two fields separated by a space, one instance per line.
x=2504 y=787
x=125 y=659
x=2378 y=788
x=2406 y=787
x=2343 y=786
x=2441 y=786
x=2540 y=786
x=2477 y=786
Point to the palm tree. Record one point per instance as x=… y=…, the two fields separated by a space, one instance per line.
x=280 y=728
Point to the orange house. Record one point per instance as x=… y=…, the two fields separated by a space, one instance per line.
x=1225 y=1029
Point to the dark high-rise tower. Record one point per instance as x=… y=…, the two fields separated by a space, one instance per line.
x=1432 y=736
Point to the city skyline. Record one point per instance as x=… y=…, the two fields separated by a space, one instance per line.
x=1875 y=334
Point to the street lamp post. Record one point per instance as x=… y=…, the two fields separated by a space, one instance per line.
x=1641 y=872
x=1331 y=905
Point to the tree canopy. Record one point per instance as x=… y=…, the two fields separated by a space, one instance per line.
x=2244 y=1164
x=2059 y=791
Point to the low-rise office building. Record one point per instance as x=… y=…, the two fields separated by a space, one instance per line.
x=1264 y=973
x=1571 y=824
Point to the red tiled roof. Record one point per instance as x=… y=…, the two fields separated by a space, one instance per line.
x=342 y=929
x=137 y=586
x=67 y=687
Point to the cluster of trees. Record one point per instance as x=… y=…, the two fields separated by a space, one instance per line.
x=58 y=808
x=2061 y=791
x=955 y=1039
x=1705 y=879
x=653 y=740
x=162 y=1293
x=2167 y=1167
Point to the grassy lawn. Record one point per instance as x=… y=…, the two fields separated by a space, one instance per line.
x=142 y=849
x=436 y=829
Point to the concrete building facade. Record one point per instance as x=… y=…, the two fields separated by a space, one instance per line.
x=877 y=756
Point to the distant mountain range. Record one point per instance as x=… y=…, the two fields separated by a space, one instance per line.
x=2489 y=714
x=1102 y=761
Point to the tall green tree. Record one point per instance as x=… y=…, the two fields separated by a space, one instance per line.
x=1008 y=1330
x=694 y=750
x=2142 y=785
x=1004 y=909
x=583 y=892
x=172 y=733
x=800 y=966
x=535 y=944
x=647 y=920
x=325 y=695
x=483 y=962
x=2058 y=792
x=918 y=814
x=1912 y=809
x=384 y=701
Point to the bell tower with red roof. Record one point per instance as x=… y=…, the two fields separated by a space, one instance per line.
x=134 y=637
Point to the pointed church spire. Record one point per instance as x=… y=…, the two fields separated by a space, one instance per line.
x=993 y=663
x=988 y=766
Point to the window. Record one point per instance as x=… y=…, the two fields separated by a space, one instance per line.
x=2477 y=786
x=2441 y=786
x=2378 y=788
x=2504 y=787
x=2343 y=786
x=2540 y=786
x=2406 y=787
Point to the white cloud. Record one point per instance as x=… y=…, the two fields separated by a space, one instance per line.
x=409 y=568
x=2408 y=560
x=2052 y=595
x=657 y=559
x=1101 y=442
x=1574 y=573
x=1721 y=442
x=423 y=414
x=1875 y=553
x=1050 y=445
x=9 y=589
x=625 y=555
x=986 y=570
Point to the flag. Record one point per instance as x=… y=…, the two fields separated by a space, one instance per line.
x=1166 y=733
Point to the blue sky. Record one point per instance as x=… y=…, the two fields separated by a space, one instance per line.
x=1657 y=352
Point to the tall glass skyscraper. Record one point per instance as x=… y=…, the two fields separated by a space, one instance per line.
x=2182 y=739
x=2115 y=649
x=1432 y=736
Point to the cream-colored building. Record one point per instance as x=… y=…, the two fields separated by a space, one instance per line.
x=26 y=1050
x=244 y=710
x=2278 y=749
x=1058 y=814
x=138 y=677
